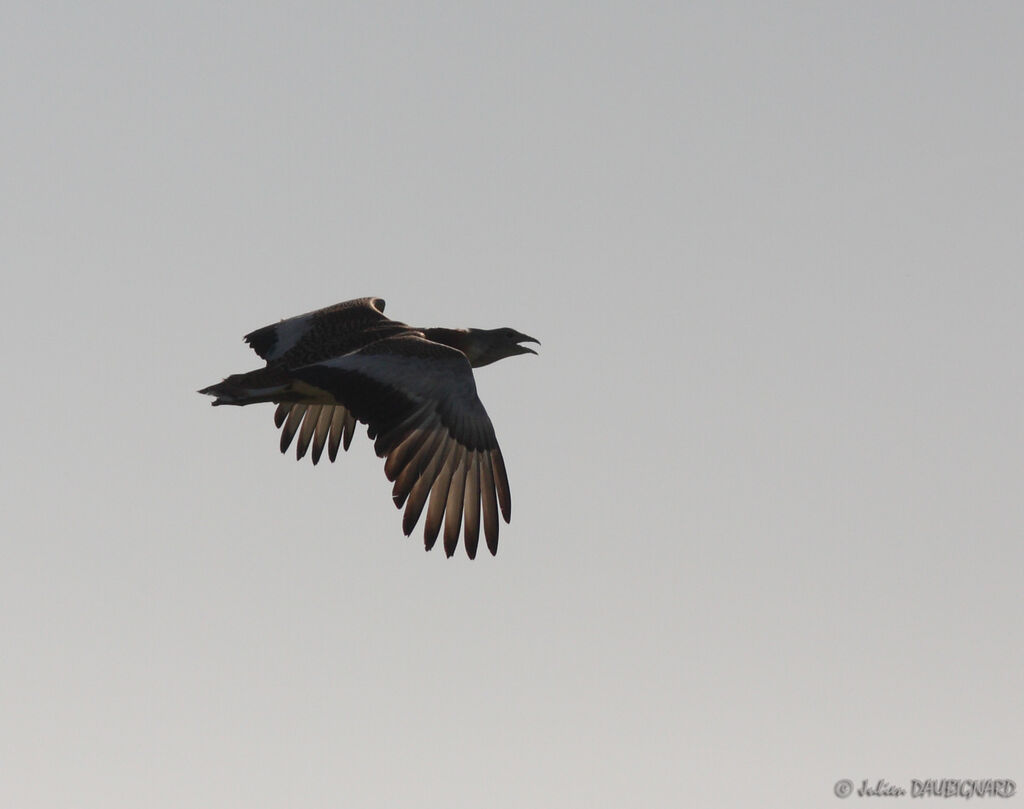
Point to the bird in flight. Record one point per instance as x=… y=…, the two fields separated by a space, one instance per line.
x=412 y=387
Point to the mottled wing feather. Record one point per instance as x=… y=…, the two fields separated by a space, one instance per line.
x=324 y=333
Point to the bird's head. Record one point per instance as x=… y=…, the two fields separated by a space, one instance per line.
x=490 y=345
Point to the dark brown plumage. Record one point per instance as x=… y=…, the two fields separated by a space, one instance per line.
x=413 y=388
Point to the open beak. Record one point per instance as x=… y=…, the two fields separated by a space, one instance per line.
x=525 y=338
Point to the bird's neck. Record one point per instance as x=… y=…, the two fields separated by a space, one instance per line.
x=464 y=340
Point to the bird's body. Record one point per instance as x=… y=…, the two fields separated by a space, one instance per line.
x=415 y=391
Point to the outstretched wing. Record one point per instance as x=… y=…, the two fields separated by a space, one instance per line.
x=324 y=333
x=419 y=401
x=314 y=337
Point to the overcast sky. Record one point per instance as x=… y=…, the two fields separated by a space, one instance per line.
x=766 y=470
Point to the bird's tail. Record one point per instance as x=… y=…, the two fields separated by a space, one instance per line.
x=262 y=385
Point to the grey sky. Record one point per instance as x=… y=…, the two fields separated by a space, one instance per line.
x=765 y=472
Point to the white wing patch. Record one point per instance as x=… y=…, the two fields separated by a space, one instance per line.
x=288 y=333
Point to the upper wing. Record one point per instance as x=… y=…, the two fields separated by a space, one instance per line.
x=324 y=333
x=419 y=400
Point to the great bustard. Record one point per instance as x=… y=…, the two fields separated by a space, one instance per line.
x=412 y=387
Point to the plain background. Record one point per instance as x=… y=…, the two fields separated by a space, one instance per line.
x=766 y=470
